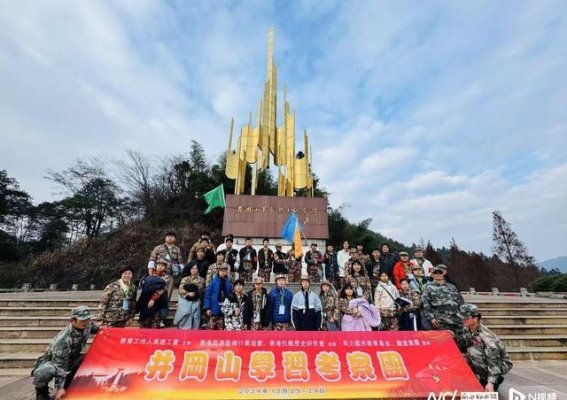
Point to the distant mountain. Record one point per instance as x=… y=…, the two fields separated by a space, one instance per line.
x=560 y=263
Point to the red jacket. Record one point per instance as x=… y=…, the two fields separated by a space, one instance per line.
x=400 y=272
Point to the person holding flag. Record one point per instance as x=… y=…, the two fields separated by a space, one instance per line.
x=292 y=233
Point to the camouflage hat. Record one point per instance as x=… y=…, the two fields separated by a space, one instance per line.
x=403 y=253
x=418 y=248
x=82 y=313
x=326 y=282
x=468 y=310
x=305 y=278
x=222 y=266
x=440 y=267
x=162 y=261
x=280 y=276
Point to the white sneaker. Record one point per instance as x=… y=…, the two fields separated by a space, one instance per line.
x=161 y=325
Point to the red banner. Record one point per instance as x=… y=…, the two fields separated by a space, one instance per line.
x=175 y=364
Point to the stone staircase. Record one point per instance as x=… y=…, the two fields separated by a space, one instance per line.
x=533 y=328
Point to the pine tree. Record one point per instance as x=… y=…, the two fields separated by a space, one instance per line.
x=506 y=245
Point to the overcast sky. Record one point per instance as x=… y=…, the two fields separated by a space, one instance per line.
x=424 y=116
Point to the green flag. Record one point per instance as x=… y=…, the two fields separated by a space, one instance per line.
x=215 y=198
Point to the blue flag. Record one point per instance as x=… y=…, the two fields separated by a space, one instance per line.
x=289 y=227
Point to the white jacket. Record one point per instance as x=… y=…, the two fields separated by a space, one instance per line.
x=342 y=258
x=382 y=299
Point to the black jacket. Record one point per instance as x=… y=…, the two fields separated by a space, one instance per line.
x=248 y=314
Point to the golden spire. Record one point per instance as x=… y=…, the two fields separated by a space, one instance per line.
x=256 y=143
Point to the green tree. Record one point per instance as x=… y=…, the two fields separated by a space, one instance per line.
x=93 y=204
x=16 y=209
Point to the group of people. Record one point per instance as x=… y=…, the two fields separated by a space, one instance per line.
x=380 y=291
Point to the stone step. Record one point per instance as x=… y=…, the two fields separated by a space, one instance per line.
x=18 y=360
x=29 y=333
x=533 y=311
x=25 y=322
x=48 y=303
x=525 y=320
x=15 y=372
x=538 y=353
x=528 y=329
x=518 y=305
x=518 y=341
x=27 y=345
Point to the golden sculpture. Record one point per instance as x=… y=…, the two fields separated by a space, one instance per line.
x=255 y=144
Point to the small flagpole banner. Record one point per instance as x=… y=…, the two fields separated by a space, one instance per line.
x=215 y=198
x=292 y=233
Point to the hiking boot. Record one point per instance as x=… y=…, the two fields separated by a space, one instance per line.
x=42 y=393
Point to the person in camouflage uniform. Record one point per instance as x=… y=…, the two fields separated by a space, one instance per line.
x=169 y=252
x=409 y=318
x=328 y=296
x=280 y=261
x=63 y=357
x=356 y=277
x=214 y=268
x=265 y=260
x=485 y=352
x=193 y=252
x=314 y=261
x=117 y=304
x=441 y=301
x=248 y=261
x=233 y=308
x=345 y=296
x=294 y=266
x=257 y=307
x=194 y=278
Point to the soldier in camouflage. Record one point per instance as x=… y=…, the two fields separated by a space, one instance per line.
x=172 y=254
x=314 y=261
x=485 y=352
x=441 y=301
x=248 y=261
x=63 y=357
x=265 y=260
x=117 y=304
